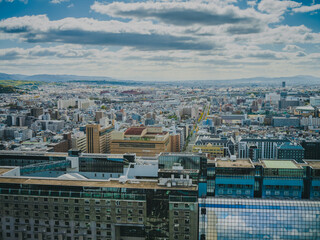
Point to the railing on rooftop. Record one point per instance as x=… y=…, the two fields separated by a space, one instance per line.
x=284 y=173
x=71 y=194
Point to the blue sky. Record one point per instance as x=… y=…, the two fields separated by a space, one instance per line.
x=161 y=40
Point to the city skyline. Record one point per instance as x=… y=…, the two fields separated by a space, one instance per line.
x=160 y=40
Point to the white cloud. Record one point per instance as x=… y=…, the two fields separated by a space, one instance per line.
x=58 y=1
x=289 y=48
x=277 y=7
x=181 y=13
x=243 y=43
x=24 y=1
x=304 y=9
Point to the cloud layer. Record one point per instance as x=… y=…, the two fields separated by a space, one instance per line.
x=167 y=39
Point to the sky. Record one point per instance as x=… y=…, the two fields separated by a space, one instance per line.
x=161 y=40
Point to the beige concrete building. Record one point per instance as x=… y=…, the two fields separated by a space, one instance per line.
x=144 y=141
x=79 y=141
x=98 y=139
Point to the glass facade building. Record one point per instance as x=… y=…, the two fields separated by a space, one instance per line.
x=229 y=219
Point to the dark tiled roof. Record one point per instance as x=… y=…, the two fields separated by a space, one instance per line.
x=134 y=131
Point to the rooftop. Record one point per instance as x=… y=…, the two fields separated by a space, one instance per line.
x=315 y=164
x=4 y=170
x=239 y=163
x=134 y=131
x=289 y=146
x=89 y=183
x=280 y=164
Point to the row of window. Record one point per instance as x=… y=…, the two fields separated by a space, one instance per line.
x=285 y=193
x=41 y=236
x=232 y=192
x=235 y=186
x=66 y=200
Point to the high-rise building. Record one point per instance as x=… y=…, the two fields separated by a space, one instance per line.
x=98 y=139
x=283 y=84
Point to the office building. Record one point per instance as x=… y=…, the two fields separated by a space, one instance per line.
x=98 y=138
x=215 y=145
x=106 y=196
x=290 y=151
x=79 y=141
x=312 y=149
x=228 y=219
x=144 y=141
x=75 y=206
x=286 y=122
x=233 y=178
x=259 y=148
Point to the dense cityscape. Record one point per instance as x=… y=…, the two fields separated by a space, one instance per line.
x=92 y=161
x=159 y=120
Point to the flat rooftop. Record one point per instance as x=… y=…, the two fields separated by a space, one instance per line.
x=239 y=163
x=186 y=171
x=315 y=164
x=287 y=164
x=4 y=170
x=91 y=183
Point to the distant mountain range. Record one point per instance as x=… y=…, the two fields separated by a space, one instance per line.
x=52 y=78
x=258 y=81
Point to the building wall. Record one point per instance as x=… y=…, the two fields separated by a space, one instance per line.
x=140 y=147
x=98 y=140
x=96 y=213
x=175 y=143
x=213 y=151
